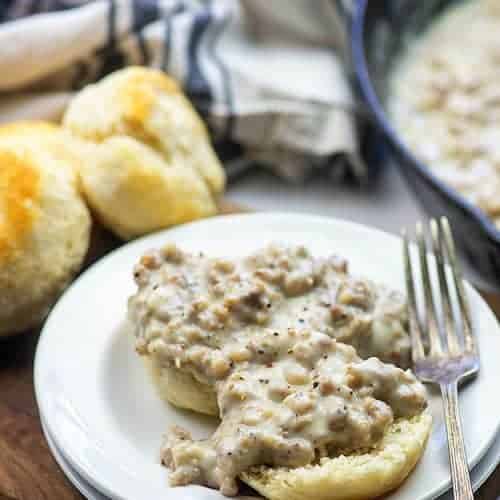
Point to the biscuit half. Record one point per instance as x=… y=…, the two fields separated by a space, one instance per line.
x=44 y=223
x=355 y=476
x=181 y=389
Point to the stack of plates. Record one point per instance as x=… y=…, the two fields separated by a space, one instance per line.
x=103 y=420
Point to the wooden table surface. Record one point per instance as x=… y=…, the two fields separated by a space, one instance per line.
x=27 y=469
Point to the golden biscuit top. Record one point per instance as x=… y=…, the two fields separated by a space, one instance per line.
x=19 y=189
x=39 y=138
x=149 y=108
x=27 y=128
x=139 y=90
x=25 y=149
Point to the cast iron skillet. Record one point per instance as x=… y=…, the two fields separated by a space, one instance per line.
x=378 y=31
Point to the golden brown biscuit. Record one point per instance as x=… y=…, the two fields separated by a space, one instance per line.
x=181 y=389
x=149 y=163
x=44 y=223
x=360 y=476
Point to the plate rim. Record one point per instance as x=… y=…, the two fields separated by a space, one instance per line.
x=87 y=490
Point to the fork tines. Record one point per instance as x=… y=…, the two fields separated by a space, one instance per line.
x=435 y=331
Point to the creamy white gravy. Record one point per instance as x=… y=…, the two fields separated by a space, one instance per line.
x=445 y=100
x=270 y=333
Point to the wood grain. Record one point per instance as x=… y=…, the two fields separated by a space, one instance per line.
x=27 y=469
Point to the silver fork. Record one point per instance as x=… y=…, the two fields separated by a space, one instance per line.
x=444 y=351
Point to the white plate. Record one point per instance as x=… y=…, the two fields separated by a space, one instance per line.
x=479 y=474
x=101 y=409
x=84 y=487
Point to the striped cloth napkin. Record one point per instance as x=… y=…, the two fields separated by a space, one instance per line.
x=268 y=76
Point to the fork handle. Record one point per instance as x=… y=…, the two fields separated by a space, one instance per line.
x=460 y=476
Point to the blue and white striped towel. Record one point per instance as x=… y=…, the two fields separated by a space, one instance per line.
x=266 y=75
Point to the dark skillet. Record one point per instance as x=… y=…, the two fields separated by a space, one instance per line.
x=379 y=28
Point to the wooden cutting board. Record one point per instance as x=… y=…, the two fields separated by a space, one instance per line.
x=27 y=469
